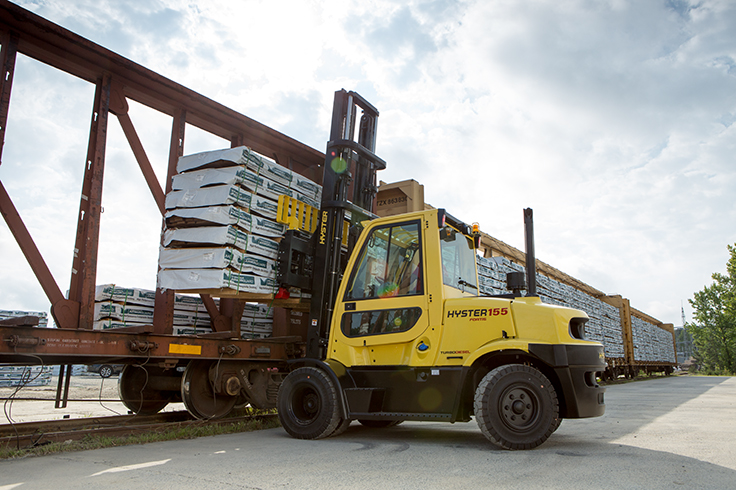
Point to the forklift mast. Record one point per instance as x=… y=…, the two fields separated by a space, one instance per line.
x=348 y=196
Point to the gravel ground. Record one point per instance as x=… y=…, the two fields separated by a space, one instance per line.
x=90 y=388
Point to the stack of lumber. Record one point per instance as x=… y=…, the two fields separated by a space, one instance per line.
x=221 y=233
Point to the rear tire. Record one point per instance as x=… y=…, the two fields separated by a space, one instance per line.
x=516 y=407
x=308 y=404
x=341 y=427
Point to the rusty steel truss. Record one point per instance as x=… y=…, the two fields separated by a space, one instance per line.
x=117 y=81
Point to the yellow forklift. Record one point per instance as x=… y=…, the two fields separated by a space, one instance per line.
x=398 y=330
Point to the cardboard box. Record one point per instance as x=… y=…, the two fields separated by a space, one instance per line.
x=401 y=197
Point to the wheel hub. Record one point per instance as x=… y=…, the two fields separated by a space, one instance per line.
x=519 y=408
x=311 y=402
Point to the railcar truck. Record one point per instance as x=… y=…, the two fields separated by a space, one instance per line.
x=398 y=330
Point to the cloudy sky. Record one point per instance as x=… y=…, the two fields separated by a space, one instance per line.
x=612 y=119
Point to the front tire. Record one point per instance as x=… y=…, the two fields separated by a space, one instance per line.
x=308 y=404
x=516 y=407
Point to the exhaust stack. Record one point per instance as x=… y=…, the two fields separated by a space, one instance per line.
x=531 y=261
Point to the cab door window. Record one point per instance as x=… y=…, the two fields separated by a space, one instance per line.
x=380 y=321
x=390 y=264
x=458 y=260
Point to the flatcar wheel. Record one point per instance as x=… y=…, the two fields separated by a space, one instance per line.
x=199 y=396
x=135 y=392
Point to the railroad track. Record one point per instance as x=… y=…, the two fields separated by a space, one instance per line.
x=30 y=434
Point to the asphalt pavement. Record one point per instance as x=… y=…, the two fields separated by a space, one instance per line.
x=674 y=432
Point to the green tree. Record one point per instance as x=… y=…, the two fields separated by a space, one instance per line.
x=714 y=325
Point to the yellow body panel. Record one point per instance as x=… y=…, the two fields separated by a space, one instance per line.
x=455 y=327
x=470 y=323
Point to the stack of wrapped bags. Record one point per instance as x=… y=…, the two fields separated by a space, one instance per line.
x=221 y=232
x=43 y=317
x=25 y=375
x=117 y=307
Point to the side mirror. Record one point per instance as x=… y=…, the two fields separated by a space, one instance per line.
x=447 y=234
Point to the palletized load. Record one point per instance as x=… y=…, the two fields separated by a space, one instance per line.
x=220 y=237
x=108 y=311
x=145 y=297
x=119 y=307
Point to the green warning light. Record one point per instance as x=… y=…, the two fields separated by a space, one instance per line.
x=339 y=165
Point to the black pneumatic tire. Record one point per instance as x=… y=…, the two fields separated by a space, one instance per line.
x=308 y=404
x=516 y=407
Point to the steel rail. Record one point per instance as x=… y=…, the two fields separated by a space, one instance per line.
x=29 y=434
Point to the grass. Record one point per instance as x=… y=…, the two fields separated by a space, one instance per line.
x=175 y=432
